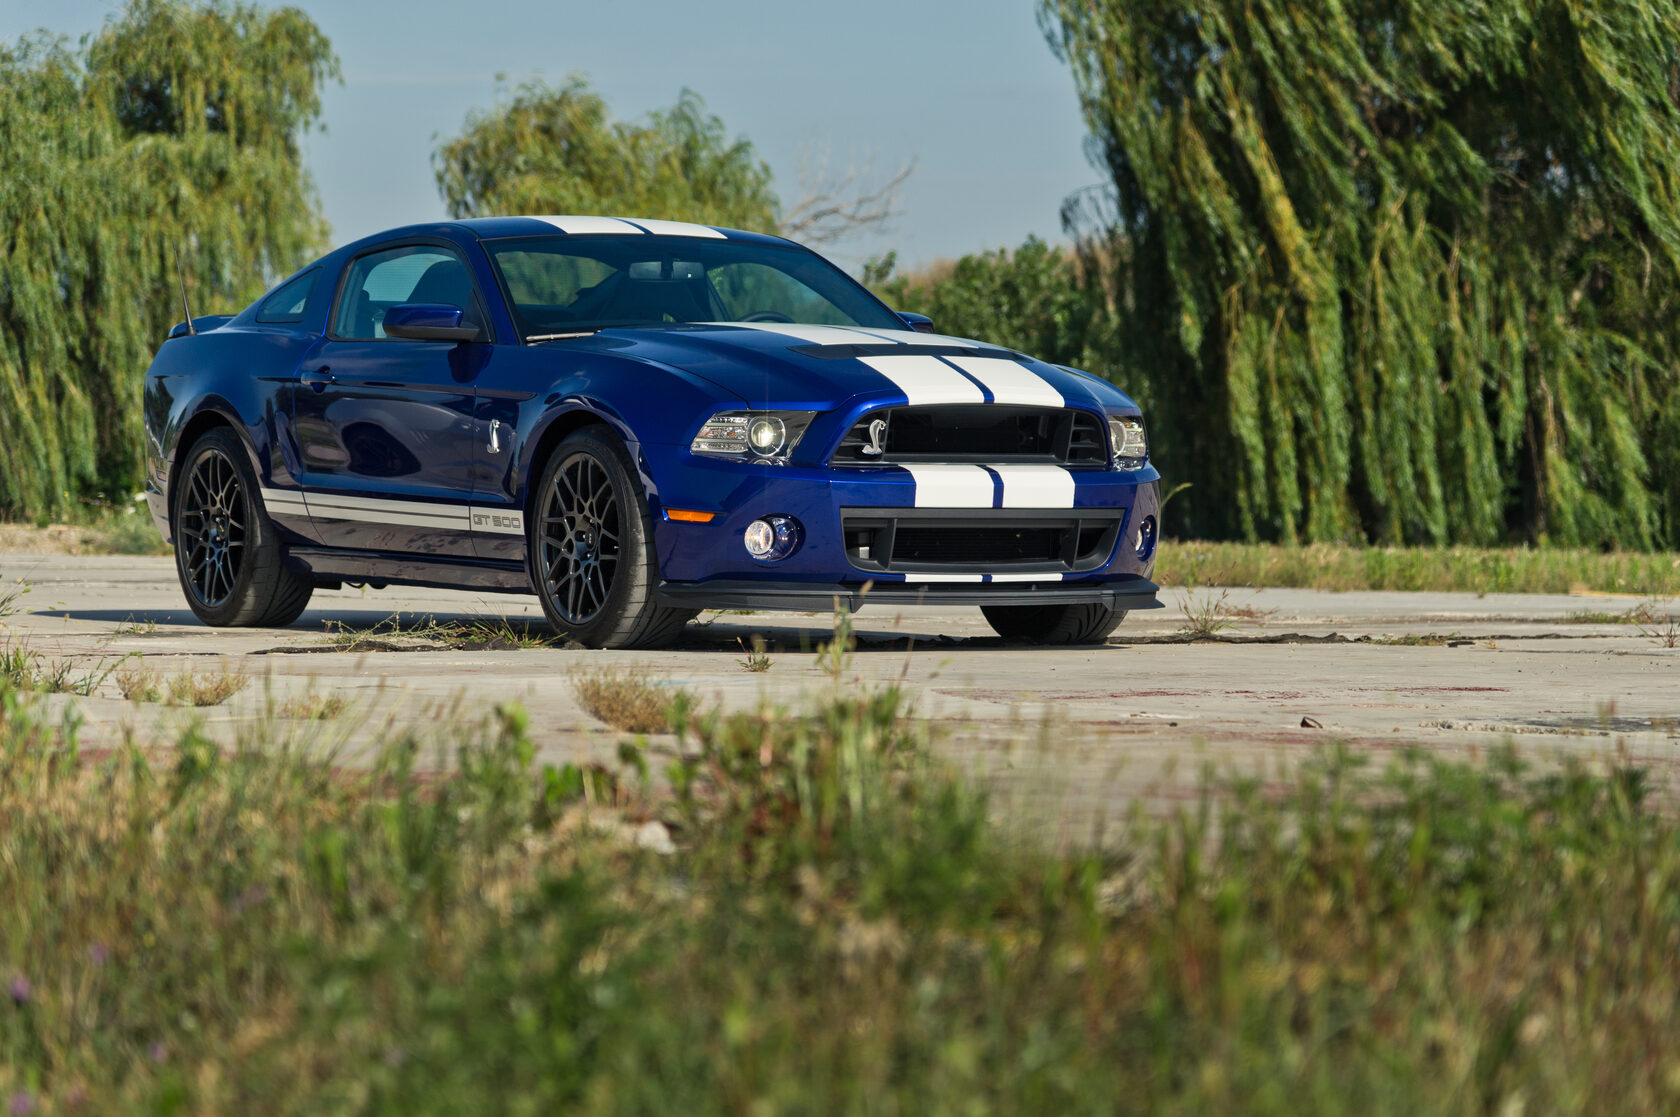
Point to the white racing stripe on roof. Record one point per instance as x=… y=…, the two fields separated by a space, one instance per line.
x=677 y=228
x=1035 y=486
x=1026 y=577
x=1010 y=382
x=951 y=486
x=925 y=379
x=575 y=225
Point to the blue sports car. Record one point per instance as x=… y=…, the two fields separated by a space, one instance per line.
x=635 y=420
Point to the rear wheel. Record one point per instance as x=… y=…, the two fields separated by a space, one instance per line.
x=1054 y=624
x=591 y=548
x=227 y=554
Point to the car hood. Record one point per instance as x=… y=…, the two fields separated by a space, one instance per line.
x=821 y=368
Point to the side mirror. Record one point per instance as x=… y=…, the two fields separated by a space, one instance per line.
x=921 y=323
x=428 y=322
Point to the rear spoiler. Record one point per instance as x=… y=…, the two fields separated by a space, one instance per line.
x=200 y=324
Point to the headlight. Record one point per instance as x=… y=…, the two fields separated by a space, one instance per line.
x=765 y=436
x=1126 y=436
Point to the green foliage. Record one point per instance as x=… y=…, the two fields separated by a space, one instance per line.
x=1334 y=566
x=1037 y=299
x=175 y=127
x=1401 y=271
x=557 y=150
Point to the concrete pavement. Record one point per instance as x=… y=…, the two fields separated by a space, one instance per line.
x=1095 y=726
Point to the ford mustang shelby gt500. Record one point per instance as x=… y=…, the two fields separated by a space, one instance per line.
x=635 y=420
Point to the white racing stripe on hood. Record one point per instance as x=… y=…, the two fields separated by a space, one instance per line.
x=951 y=486
x=676 y=228
x=1035 y=486
x=1010 y=382
x=925 y=379
x=570 y=224
x=810 y=335
x=852 y=335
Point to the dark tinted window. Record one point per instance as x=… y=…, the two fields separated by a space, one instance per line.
x=561 y=284
x=286 y=304
x=416 y=273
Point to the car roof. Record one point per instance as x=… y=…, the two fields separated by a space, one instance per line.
x=491 y=228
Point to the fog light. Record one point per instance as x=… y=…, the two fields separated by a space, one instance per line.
x=772 y=538
x=1146 y=539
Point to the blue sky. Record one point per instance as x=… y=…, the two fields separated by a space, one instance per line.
x=968 y=88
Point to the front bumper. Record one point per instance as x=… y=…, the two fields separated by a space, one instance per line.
x=707 y=564
x=1129 y=593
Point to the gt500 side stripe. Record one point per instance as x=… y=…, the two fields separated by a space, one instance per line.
x=403 y=513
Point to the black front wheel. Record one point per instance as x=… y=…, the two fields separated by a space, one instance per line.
x=590 y=543
x=226 y=552
x=1054 y=624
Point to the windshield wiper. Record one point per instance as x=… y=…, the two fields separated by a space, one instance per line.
x=536 y=339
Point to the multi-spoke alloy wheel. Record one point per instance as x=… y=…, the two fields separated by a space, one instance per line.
x=590 y=541
x=582 y=537
x=227 y=552
x=214 y=518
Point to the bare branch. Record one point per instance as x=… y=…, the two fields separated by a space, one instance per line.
x=834 y=206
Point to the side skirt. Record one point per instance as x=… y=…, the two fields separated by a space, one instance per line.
x=329 y=565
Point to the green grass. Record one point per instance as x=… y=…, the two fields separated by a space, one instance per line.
x=1461 y=569
x=98 y=529
x=844 y=927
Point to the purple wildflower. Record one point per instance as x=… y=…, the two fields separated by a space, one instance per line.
x=23 y=1104
x=157 y=1051
x=99 y=954
x=20 y=990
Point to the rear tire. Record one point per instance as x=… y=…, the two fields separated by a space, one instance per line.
x=1054 y=624
x=227 y=552
x=590 y=542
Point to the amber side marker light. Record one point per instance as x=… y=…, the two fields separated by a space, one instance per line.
x=685 y=516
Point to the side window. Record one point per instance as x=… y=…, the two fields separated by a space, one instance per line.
x=418 y=273
x=286 y=304
x=749 y=289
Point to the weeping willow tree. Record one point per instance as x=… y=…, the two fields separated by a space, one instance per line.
x=1405 y=271
x=174 y=128
x=557 y=150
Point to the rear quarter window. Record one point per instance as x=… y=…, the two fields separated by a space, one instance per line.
x=288 y=303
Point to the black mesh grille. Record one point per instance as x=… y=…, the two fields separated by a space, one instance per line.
x=910 y=539
x=977 y=544
x=978 y=432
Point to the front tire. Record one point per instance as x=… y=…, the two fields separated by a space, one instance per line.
x=590 y=543
x=1054 y=624
x=227 y=553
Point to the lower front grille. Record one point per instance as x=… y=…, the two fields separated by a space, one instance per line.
x=922 y=540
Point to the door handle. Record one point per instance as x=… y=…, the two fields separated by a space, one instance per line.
x=318 y=378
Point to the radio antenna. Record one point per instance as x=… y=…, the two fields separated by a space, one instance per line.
x=180 y=275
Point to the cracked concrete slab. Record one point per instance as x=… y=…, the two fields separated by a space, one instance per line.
x=1099 y=726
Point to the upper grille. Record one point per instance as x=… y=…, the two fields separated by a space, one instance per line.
x=978 y=432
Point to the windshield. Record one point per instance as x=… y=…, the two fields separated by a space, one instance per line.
x=563 y=285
